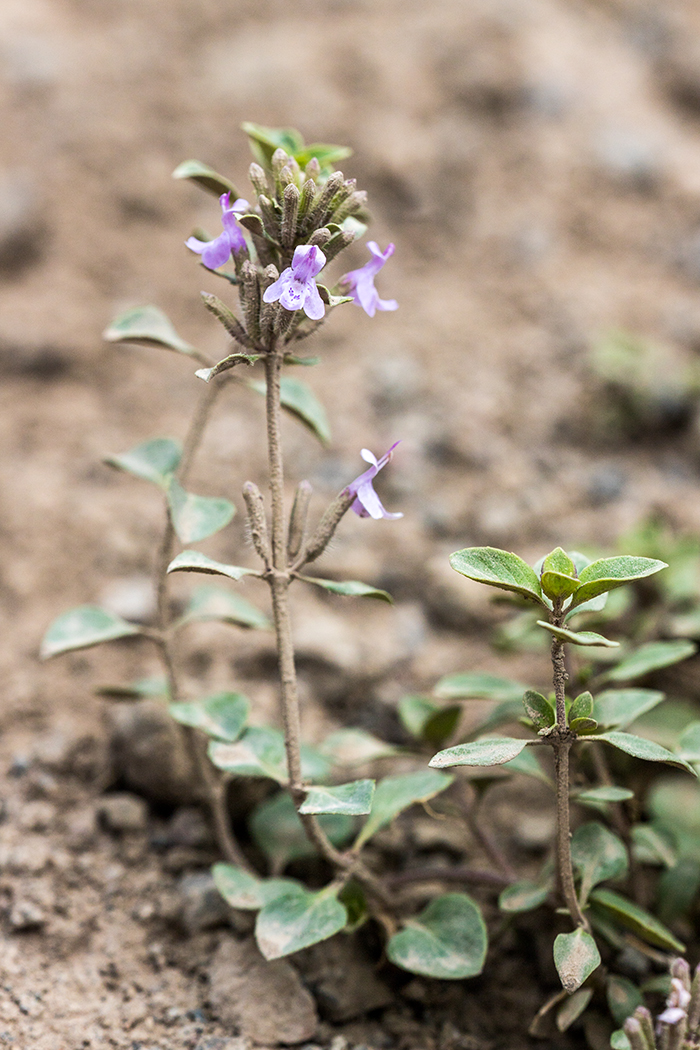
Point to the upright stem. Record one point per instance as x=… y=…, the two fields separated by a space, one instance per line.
x=213 y=785
x=562 y=739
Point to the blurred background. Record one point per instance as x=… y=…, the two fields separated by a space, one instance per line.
x=536 y=163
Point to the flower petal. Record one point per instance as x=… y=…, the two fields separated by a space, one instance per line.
x=217 y=252
x=313 y=304
x=275 y=291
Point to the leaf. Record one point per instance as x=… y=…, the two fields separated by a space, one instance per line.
x=582 y=707
x=354 y=747
x=634 y=918
x=577 y=637
x=490 y=751
x=426 y=720
x=394 y=794
x=647 y=750
x=197 y=517
x=597 y=855
x=583 y=726
x=576 y=956
x=609 y=573
x=206 y=177
x=650 y=657
x=195 y=561
x=297 y=920
x=82 y=627
x=260 y=753
x=355 y=799
x=226 y=364
x=213 y=603
x=324 y=153
x=572 y=1008
x=689 y=743
x=528 y=764
x=153 y=461
x=619 y=1040
x=300 y=401
x=148 y=326
x=447 y=940
x=352 y=588
x=332 y=300
x=677 y=889
x=277 y=830
x=498 y=568
x=604 y=794
x=522 y=896
x=618 y=708
x=654 y=845
x=476 y=686
x=538 y=709
x=264 y=141
x=558 y=575
x=246 y=892
x=146 y=687
x=623 y=997
x=222 y=716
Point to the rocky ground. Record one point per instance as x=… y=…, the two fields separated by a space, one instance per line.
x=537 y=165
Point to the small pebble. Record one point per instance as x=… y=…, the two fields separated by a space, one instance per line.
x=123 y=812
x=25 y=915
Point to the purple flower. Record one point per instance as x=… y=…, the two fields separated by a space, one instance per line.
x=360 y=283
x=215 y=253
x=295 y=287
x=367 y=503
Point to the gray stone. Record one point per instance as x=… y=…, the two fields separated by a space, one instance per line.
x=123 y=812
x=217 y=1042
x=343 y=979
x=266 y=1001
x=151 y=754
x=202 y=907
x=25 y=916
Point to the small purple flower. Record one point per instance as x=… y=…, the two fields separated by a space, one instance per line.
x=215 y=253
x=367 y=503
x=360 y=283
x=295 y=287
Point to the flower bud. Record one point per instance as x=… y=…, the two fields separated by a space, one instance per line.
x=312 y=169
x=257 y=522
x=319 y=209
x=290 y=212
x=250 y=298
x=297 y=519
x=257 y=177
x=270 y=220
x=320 y=237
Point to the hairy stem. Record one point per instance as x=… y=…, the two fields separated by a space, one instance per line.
x=212 y=784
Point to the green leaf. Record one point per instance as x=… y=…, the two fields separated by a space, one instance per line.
x=222 y=716
x=195 y=561
x=623 y=997
x=82 y=627
x=619 y=1040
x=260 y=753
x=226 y=364
x=154 y=460
x=677 y=889
x=325 y=153
x=264 y=141
x=558 y=576
x=476 y=686
x=206 y=177
x=355 y=799
x=650 y=657
x=145 y=687
x=277 y=830
x=538 y=709
x=582 y=707
x=297 y=920
x=528 y=764
x=654 y=845
x=332 y=300
x=597 y=855
x=196 y=517
x=246 y=892
x=609 y=573
x=577 y=637
x=214 y=603
x=148 y=326
x=447 y=940
x=618 y=708
x=300 y=401
x=689 y=743
x=394 y=794
x=522 y=896
x=354 y=747
x=352 y=588
x=647 y=750
x=604 y=794
x=490 y=751
x=634 y=918
x=583 y=726
x=576 y=956
x=498 y=568
x=572 y=1008
x=426 y=720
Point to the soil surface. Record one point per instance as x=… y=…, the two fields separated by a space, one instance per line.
x=537 y=164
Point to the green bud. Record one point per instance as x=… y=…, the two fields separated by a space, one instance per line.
x=257 y=177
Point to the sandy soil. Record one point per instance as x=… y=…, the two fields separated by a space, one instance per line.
x=537 y=165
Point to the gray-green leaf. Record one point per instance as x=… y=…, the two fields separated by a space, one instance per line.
x=476 y=686
x=222 y=716
x=351 y=588
x=197 y=517
x=242 y=890
x=647 y=750
x=300 y=401
x=205 y=177
x=498 y=568
x=538 y=709
x=214 y=603
x=634 y=918
x=650 y=657
x=394 y=794
x=354 y=747
x=597 y=855
x=577 y=637
x=576 y=956
x=277 y=830
x=447 y=940
x=195 y=561
x=355 y=799
x=148 y=326
x=297 y=920
x=522 y=896
x=83 y=627
x=609 y=573
x=154 y=460
x=618 y=708
x=491 y=751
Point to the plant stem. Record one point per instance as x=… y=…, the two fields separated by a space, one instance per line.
x=562 y=739
x=212 y=785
